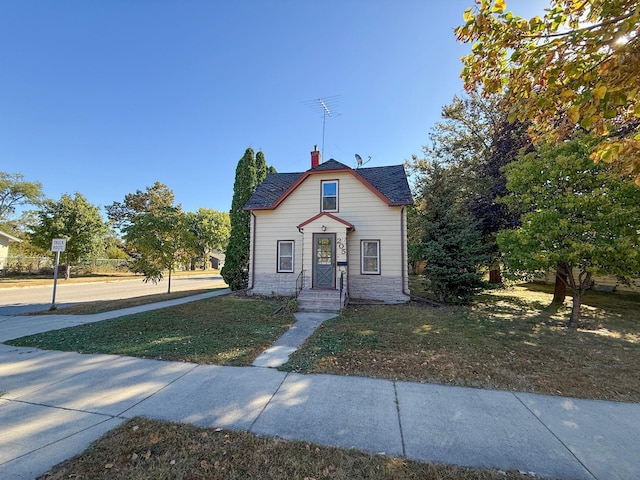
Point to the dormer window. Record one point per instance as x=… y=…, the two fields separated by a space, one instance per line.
x=329 y=195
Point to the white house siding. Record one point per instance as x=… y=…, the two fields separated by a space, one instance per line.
x=4 y=251
x=372 y=218
x=270 y=227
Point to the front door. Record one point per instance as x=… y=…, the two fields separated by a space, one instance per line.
x=324 y=260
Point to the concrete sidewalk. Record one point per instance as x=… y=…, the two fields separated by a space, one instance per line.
x=56 y=403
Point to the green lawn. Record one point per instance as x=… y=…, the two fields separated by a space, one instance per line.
x=225 y=330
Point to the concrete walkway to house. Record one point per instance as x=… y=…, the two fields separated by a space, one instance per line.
x=56 y=403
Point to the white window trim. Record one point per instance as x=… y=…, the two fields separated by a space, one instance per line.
x=293 y=256
x=362 y=257
x=322 y=196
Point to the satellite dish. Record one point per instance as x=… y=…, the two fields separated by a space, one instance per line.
x=358 y=160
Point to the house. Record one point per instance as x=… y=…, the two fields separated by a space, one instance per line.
x=5 y=238
x=217 y=260
x=330 y=233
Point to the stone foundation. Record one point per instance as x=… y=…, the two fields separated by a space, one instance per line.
x=378 y=288
x=278 y=283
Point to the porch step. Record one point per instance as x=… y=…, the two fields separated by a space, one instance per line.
x=310 y=300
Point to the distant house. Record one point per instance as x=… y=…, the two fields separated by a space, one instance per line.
x=217 y=260
x=5 y=238
x=331 y=233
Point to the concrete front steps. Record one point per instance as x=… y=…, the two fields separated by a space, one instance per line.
x=312 y=300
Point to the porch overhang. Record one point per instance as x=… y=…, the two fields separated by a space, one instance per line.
x=348 y=226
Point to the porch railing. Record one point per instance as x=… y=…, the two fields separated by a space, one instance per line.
x=342 y=288
x=299 y=283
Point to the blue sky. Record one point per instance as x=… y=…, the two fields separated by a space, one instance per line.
x=106 y=97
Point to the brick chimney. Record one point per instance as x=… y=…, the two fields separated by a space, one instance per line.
x=315 y=157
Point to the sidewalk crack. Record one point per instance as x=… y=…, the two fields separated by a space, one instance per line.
x=250 y=429
x=395 y=392
x=555 y=436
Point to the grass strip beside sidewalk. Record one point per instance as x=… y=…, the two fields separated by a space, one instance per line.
x=144 y=449
x=100 y=306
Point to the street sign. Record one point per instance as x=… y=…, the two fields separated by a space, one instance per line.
x=58 y=245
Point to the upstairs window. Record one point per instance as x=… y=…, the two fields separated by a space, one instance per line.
x=329 y=196
x=370 y=258
x=285 y=256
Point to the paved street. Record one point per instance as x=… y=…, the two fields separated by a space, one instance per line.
x=16 y=301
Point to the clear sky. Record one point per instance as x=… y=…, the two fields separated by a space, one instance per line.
x=105 y=97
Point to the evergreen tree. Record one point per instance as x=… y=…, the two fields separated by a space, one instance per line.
x=236 y=267
x=476 y=139
x=261 y=169
x=452 y=243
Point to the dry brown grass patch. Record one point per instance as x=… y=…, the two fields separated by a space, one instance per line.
x=145 y=449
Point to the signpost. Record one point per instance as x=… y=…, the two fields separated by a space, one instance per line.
x=57 y=245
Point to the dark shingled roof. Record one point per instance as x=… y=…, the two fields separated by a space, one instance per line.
x=271 y=189
x=390 y=181
x=330 y=164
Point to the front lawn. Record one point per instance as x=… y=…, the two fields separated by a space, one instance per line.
x=511 y=339
x=225 y=330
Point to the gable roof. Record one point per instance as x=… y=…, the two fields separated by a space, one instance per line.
x=327 y=214
x=389 y=183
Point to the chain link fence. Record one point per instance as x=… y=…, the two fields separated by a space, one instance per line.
x=44 y=266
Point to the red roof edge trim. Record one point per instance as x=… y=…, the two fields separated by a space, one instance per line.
x=325 y=214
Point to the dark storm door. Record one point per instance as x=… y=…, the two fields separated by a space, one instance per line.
x=324 y=260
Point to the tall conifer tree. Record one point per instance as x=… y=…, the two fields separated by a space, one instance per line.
x=452 y=244
x=236 y=267
x=261 y=169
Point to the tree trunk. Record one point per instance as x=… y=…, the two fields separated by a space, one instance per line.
x=495 y=276
x=574 y=318
x=67 y=271
x=560 y=290
x=169 y=287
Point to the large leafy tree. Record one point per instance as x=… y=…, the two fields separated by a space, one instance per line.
x=475 y=137
x=74 y=219
x=578 y=65
x=249 y=174
x=580 y=218
x=451 y=245
x=162 y=240
x=210 y=230
x=15 y=191
x=155 y=197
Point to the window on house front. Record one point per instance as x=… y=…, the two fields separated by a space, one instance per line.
x=285 y=256
x=370 y=257
x=330 y=196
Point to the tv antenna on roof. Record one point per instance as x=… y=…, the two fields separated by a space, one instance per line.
x=328 y=107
